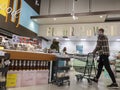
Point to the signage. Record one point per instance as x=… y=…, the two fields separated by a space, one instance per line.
x=3 y=6
x=4 y=10
x=79 y=48
x=35 y=4
x=18 y=21
x=11 y=9
x=11 y=80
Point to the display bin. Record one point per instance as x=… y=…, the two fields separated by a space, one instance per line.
x=60 y=74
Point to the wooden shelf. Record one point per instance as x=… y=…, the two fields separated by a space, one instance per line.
x=22 y=55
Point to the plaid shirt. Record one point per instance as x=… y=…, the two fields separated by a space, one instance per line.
x=102 y=45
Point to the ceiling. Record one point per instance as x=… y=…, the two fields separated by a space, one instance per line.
x=88 y=17
x=70 y=19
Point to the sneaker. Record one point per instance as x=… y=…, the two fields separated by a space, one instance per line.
x=113 y=85
x=95 y=80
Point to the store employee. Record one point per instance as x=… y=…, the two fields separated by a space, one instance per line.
x=55 y=45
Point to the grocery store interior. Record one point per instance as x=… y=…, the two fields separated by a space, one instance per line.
x=48 y=44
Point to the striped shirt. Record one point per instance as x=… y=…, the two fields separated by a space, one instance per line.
x=102 y=46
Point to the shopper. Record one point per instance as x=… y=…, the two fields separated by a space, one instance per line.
x=64 y=50
x=102 y=48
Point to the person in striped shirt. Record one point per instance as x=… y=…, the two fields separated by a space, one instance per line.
x=102 y=48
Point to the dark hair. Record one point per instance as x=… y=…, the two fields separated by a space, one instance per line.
x=101 y=29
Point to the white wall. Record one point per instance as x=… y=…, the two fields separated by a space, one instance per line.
x=71 y=46
x=45 y=44
x=88 y=46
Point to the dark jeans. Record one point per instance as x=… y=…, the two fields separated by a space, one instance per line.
x=104 y=61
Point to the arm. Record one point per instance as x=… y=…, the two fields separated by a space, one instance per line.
x=98 y=46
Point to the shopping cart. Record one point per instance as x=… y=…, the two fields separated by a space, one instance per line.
x=85 y=71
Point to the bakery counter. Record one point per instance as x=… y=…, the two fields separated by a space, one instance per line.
x=24 y=60
x=24 y=55
x=29 y=68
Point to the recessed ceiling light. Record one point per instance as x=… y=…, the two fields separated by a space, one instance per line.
x=54 y=19
x=57 y=38
x=74 y=17
x=83 y=39
x=67 y=39
x=101 y=16
x=117 y=39
x=35 y=20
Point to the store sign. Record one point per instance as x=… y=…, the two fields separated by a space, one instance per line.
x=34 y=4
x=9 y=10
x=11 y=80
x=3 y=6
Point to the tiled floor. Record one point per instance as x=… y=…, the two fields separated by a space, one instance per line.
x=74 y=85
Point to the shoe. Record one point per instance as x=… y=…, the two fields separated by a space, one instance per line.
x=113 y=85
x=95 y=80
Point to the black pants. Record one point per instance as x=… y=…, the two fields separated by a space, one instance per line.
x=104 y=61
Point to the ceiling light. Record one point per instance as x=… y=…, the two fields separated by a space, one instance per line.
x=35 y=20
x=101 y=16
x=57 y=38
x=74 y=17
x=83 y=39
x=54 y=19
x=117 y=39
x=67 y=39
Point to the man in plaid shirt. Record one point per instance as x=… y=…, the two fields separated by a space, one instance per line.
x=102 y=48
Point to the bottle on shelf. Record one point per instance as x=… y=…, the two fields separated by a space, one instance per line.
x=10 y=67
x=24 y=65
x=40 y=65
x=15 y=65
x=34 y=65
x=43 y=65
x=27 y=65
x=26 y=62
x=31 y=65
x=37 y=65
x=20 y=64
x=46 y=65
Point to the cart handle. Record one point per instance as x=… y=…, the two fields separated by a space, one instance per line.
x=90 y=53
